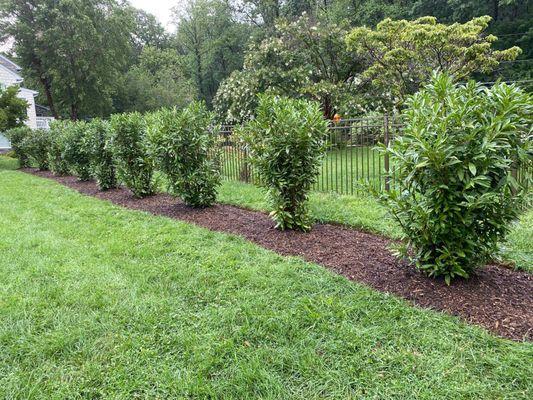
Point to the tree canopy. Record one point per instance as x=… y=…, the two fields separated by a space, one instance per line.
x=13 y=110
x=91 y=58
x=402 y=55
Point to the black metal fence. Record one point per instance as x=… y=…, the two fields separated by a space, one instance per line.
x=351 y=164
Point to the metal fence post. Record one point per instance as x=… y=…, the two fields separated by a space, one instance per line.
x=386 y=158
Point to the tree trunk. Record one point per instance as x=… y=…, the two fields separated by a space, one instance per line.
x=73 y=112
x=495 y=9
x=48 y=92
x=47 y=86
x=199 y=72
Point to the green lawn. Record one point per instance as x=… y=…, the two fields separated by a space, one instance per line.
x=8 y=163
x=342 y=170
x=359 y=211
x=364 y=212
x=97 y=301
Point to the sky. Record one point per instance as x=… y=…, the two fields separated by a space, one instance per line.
x=160 y=8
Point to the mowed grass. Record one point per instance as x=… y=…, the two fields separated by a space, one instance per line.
x=8 y=163
x=365 y=212
x=97 y=301
x=342 y=170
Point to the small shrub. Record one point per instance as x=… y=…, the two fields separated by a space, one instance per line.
x=37 y=145
x=184 y=144
x=56 y=151
x=130 y=151
x=77 y=149
x=457 y=194
x=102 y=164
x=17 y=138
x=286 y=143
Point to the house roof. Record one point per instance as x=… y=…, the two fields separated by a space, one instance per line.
x=42 y=111
x=23 y=89
x=6 y=62
x=15 y=74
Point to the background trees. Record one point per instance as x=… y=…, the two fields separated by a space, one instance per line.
x=212 y=41
x=92 y=58
x=304 y=58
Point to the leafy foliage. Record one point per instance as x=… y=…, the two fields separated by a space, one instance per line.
x=286 y=142
x=56 y=151
x=184 y=144
x=74 y=49
x=212 y=42
x=302 y=59
x=101 y=156
x=13 y=110
x=454 y=161
x=129 y=144
x=76 y=150
x=17 y=138
x=37 y=145
x=403 y=54
x=157 y=80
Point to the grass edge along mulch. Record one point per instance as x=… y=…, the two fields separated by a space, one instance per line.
x=496 y=298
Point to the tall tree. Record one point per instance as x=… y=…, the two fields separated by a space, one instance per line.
x=25 y=21
x=402 y=54
x=212 y=41
x=76 y=49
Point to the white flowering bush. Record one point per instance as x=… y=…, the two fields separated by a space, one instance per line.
x=303 y=59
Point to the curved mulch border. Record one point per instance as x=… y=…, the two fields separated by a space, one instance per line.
x=497 y=298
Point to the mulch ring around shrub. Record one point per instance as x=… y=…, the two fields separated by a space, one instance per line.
x=496 y=298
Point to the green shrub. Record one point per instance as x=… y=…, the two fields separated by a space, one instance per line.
x=17 y=137
x=56 y=151
x=77 y=149
x=37 y=145
x=184 y=145
x=135 y=166
x=286 y=143
x=457 y=194
x=102 y=164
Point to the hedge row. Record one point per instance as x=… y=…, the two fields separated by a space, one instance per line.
x=286 y=143
x=457 y=197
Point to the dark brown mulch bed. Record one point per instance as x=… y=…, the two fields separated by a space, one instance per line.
x=497 y=298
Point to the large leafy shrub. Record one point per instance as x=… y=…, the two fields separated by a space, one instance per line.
x=101 y=156
x=77 y=149
x=286 y=142
x=13 y=109
x=17 y=138
x=184 y=144
x=457 y=194
x=37 y=145
x=129 y=144
x=56 y=150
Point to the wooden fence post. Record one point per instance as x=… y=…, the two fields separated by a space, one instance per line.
x=386 y=158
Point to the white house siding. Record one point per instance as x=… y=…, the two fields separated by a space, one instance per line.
x=28 y=95
x=4 y=143
x=8 y=78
